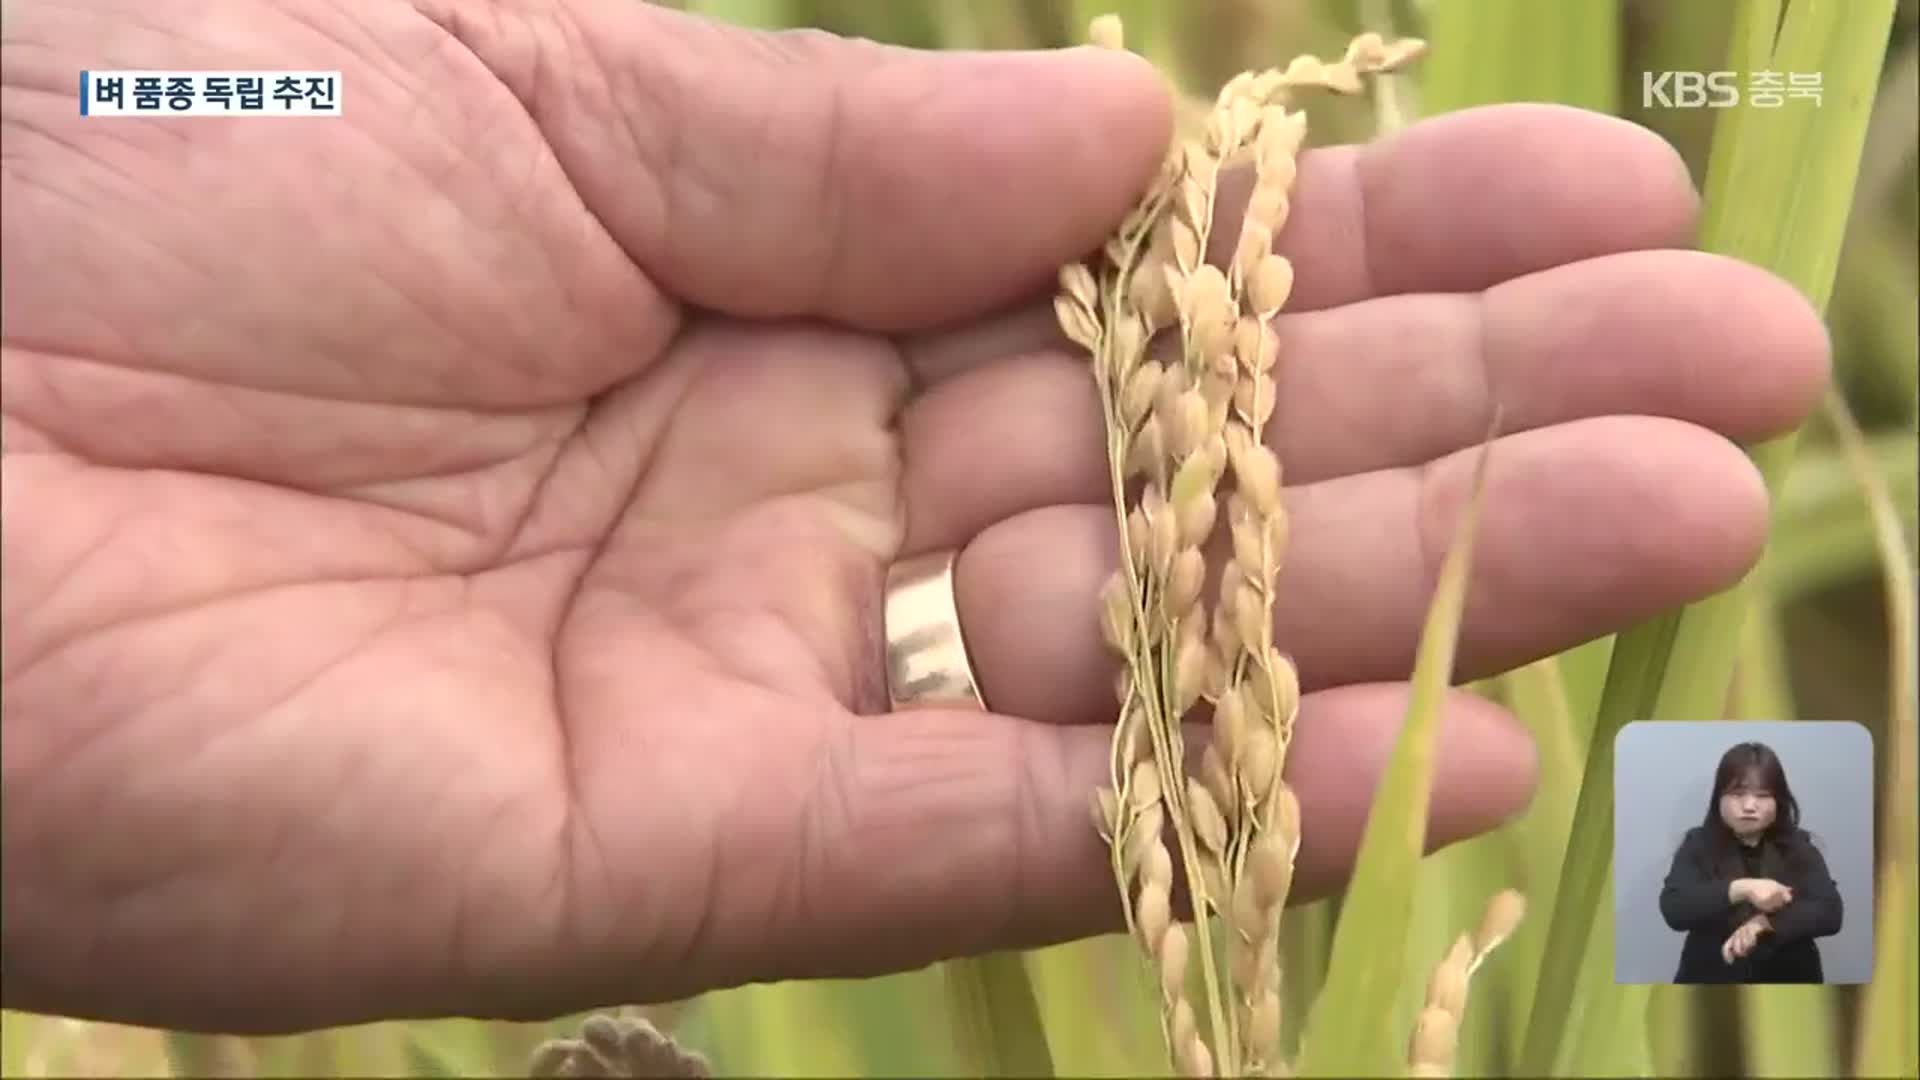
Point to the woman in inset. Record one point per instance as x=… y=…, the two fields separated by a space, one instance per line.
x=1747 y=886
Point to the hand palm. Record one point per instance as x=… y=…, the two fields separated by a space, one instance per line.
x=454 y=567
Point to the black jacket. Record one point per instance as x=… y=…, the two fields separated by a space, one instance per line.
x=1694 y=900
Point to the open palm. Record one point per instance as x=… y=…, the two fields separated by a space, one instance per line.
x=444 y=544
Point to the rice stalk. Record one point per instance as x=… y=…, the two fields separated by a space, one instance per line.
x=1183 y=356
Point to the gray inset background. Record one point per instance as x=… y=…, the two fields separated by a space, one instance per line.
x=1663 y=775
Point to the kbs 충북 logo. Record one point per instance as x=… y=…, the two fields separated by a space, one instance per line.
x=1722 y=89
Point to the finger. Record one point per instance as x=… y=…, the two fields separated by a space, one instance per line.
x=1587 y=528
x=1403 y=380
x=1454 y=203
x=954 y=833
x=1469 y=199
x=776 y=174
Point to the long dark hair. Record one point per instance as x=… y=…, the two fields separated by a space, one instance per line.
x=1754 y=764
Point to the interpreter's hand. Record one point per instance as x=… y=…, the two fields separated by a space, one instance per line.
x=1765 y=893
x=1742 y=941
x=445 y=543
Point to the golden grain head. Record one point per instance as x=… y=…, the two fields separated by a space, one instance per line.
x=1215 y=451
x=1250 y=616
x=1219 y=782
x=1218 y=388
x=1152 y=915
x=1447 y=989
x=1259 y=758
x=1286 y=821
x=1128 y=346
x=1230 y=722
x=1249 y=534
x=1186 y=424
x=1184 y=582
x=1173 y=962
x=1220 y=673
x=1253 y=400
x=1503 y=916
x=1436 y=1037
x=1139 y=538
x=1209 y=825
x=617 y=1047
x=1203 y=293
x=1245 y=113
x=1269 y=285
x=1186 y=250
x=1077 y=281
x=1077 y=323
x=1282 y=699
x=1136 y=735
x=1256 y=475
x=1157 y=867
x=1182 y=426
x=1180 y=1023
x=1256 y=241
x=1244 y=959
x=1270 y=867
x=1138 y=859
x=1196 y=516
x=1149 y=294
x=1264 y=1020
x=1146 y=451
x=1104 y=807
x=1195 y=1059
x=1213 y=338
x=1143 y=786
x=1249 y=917
x=1163 y=537
x=1282 y=133
x=1116 y=616
x=1239 y=440
x=1189 y=671
x=1138 y=392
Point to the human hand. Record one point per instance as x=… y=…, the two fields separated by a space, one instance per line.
x=1764 y=893
x=1742 y=940
x=447 y=541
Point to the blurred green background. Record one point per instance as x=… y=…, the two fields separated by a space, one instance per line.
x=1818 y=643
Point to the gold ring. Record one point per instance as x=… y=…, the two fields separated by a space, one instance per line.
x=927 y=665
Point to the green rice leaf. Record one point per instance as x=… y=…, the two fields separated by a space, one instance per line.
x=1887 y=1043
x=758 y=14
x=1788 y=1030
x=1491 y=51
x=996 y=1017
x=1779 y=190
x=1538 y=696
x=1370 y=945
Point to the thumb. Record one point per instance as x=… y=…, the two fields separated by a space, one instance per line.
x=800 y=174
